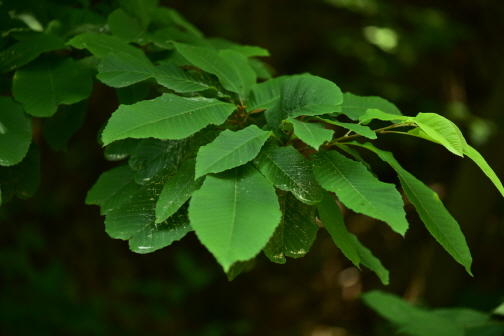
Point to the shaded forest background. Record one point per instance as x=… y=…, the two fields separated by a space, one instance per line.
x=62 y=275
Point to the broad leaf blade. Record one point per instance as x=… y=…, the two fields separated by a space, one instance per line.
x=240 y=65
x=230 y=149
x=177 y=191
x=355 y=106
x=15 y=132
x=331 y=217
x=265 y=95
x=359 y=190
x=224 y=214
x=120 y=70
x=370 y=261
x=296 y=232
x=371 y=114
x=171 y=76
x=442 y=130
x=313 y=134
x=288 y=170
x=165 y=117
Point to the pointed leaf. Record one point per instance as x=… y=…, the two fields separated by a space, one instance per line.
x=238 y=267
x=112 y=189
x=155 y=236
x=436 y=218
x=224 y=214
x=355 y=106
x=265 y=95
x=296 y=232
x=480 y=161
x=331 y=217
x=313 y=134
x=177 y=191
x=359 y=129
x=230 y=149
x=359 y=190
x=309 y=95
x=23 y=178
x=371 y=114
x=370 y=261
x=15 y=132
x=288 y=170
x=49 y=81
x=442 y=130
x=165 y=117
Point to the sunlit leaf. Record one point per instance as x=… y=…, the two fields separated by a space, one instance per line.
x=355 y=106
x=358 y=129
x=313 y=134
x=371 y=114
x=442 y=130
x=15 y=132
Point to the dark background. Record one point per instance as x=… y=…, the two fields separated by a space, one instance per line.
x=62 y=275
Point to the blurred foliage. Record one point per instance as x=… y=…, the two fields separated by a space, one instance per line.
x=61 y=274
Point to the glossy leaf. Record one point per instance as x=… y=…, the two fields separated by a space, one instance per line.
x=359 y=190
x=230 y=149
x=165 y=117
x=22 y=179
x=27 y=50
x=288 y=170
x=371 y=114
x=313 y=134
x=355 y=106
x=113 y=188
x=370 y=261
x=63 y=124
x=358 y=129
x=224 y=214
x=177 y=191
x=331 y=217
x=309 y=95
x=296 y=232
x=15 y=132
x=266 y=94
x=443 y=227
x=44 y=84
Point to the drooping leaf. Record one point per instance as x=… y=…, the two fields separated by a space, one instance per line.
x=139 y=211
x=112 y=189
x=22 y=179
x=288 y=170
x=15 y=132
x=230 y=149
x=27 y=50
x=177 y=191
x=49 y=81
x=331 y=217
x=370 y=261
x=223 y=212
x=359 y=190
x=355 y=106
x=309 y=95
x=371 y=114
x=237 y=268
x=165 y=117
x=409 y=319
x=158 y=235
x=442 y=130
x=359 y=129
x=120 y=70
x=265 y=95
x=63 y=124
x=313 y=134
x=436 y=218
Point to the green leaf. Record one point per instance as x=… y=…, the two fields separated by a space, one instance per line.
x=359 y=190
x=359 y=129
x=224 y=214
x=262 y=70
x=126 y=27
x=121 y=149
x=158 y=235
x=442 y=130
x=296 y=232
x=229 y=66
x=169 y=16
x=313 y=134
x=165 y=117
x=177 y=191
x=63 y=124
x=15 y=132
x=309 y=95
x=112 y=189
x=464 y=317
x=237 y=268
x=22 y=179
x=287 y=169
x=120 y=70
x=132 y=94
x=370 y=261
x=27 y=50
x=371 y=114
x=171 y=76
x=49 y=81
x=443 y=227
x=142 y=9
x=330 y=215
x=410 y=320
x=265 y=95
x=230 y=149
x=355 y=106
x=480 y=161
x=138 y=213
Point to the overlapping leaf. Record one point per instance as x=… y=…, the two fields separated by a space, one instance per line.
x=355 y=106
x=15 y=132
x=359 y=190
x=120 y=70
x=230 y=149
x=442 y=130
x=359 y=129
x=165 y=117
x=288 y=170
x=371 y=114
x=224 y=214
x=172 y=77
x=265 y=95
x=126 y=27
x=313 y=134
x=121 y=149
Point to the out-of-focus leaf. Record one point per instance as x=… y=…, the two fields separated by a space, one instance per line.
x=22 y=179
x=359 y=129
x=63 y=124
x=15 y=132
x=370 y=261
x=237 y=268
x=355 y=106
